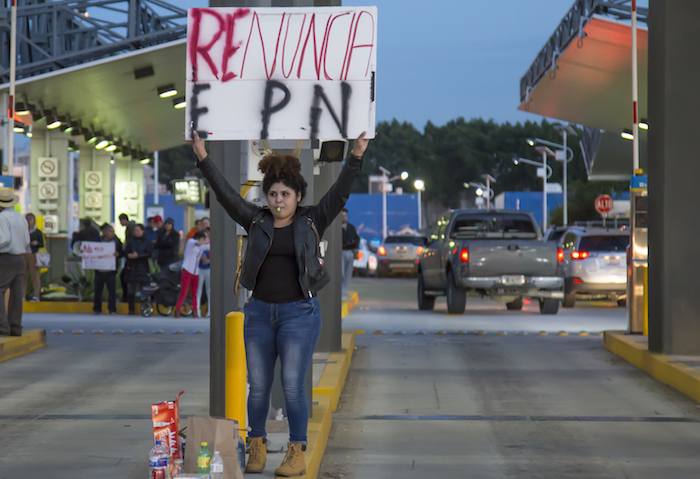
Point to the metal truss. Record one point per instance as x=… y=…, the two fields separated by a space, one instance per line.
x=57 y=34
x=590 y=139
x=570 y=29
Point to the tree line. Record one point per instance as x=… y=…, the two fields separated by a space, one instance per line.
x=445 y=157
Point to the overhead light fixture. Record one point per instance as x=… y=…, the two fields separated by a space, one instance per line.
x=167 y=91
x=22 y=108
x=144 y=72
x=643 y=124
x=18 y=128
x=102 y=144
x=92 y=136
x=53 y=124
x=111 y=161
x=111 y=147
x=627 y=135
x=73 y=146
x=179 y=102
x=531 y=142
x=145 y=161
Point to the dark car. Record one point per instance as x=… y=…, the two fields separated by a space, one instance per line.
x=399 y=254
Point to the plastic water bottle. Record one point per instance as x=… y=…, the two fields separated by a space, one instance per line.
x=216 y=467
x=159 y=462
x=241 y=452
x=203 y=459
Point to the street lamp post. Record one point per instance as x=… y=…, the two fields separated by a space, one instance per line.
x=419 y=185
x=481 y=188
x=565 y=130
x=546 y=173
x=385 y=182
x=545 y=151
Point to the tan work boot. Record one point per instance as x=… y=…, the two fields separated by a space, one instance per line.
x=257 y=455
x=294 y=463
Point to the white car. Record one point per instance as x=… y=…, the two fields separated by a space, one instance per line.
x=366 y=263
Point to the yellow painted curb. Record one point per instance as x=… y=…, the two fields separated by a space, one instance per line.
x=333 y=377
x=13 y=346
x=318 y=432
x=348 y=305
x=66 y=307
x=661 y=367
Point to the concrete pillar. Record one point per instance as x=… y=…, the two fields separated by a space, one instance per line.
x=95 y=198
x=128 y=193
x=331 y=302
x=674 y=100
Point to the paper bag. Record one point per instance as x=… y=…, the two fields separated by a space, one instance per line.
x=221 y=435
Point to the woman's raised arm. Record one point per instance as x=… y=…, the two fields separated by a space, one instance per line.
x=240 y=210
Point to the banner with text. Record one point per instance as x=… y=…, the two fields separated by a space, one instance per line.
x=281 y=73
x=99 y=255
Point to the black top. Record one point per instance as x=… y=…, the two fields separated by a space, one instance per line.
x=137 y=269
x=36 y=235
x=351 y=240
x=278 y=278
x=167 y=245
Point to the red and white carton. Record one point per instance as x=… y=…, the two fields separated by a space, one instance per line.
x=166 y=424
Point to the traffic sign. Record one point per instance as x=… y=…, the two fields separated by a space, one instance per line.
x=93 y=179
x=48 y=167
x=48 y=190
x=604 y=204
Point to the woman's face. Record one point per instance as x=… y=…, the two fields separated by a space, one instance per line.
x=31 y=221
x=168 y=227
x=282 y=200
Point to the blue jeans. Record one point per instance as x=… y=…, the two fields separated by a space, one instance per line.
x=291 y=331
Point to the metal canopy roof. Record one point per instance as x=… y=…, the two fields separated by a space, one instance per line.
x=591 y=85
x=106 y=95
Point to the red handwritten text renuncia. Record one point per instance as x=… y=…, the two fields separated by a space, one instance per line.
x=227 y=44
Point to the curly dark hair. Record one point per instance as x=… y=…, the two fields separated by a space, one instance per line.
x=276 y=167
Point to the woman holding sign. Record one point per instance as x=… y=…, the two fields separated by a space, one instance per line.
x=283 y=268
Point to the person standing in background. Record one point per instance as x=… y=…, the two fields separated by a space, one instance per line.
x=14 y=242
x=138 y=250
x=190 y=270
x=204 y=278
x=128 y=233
x=168 y=244
x=36 y=241
x=197 y=227
x=351 y=241
x=108 y=277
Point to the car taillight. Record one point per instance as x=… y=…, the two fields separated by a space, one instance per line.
x=560 y=255
x=464 y=255
x=579 y=254
x=381 y=251
x=420 y=250
x=359 y=255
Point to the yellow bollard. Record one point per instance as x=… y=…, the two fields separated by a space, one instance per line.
x=645 y=329
x=235 y=371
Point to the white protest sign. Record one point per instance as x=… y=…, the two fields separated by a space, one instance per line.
x=99 y=255
x=281 y=73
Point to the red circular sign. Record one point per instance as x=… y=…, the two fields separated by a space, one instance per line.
x=604 y=204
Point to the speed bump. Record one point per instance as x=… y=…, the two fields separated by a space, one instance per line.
x=77 y=331
x=57 y=331
x=379 y=331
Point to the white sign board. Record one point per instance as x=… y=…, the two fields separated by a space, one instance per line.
x=281 y=73
x=131 y=207
x=48 y=167
x=48 y=190
x=93 y=200
x=155 y=210
x=93 y=180
x=130 y=189
x=50 y=224
x=98 y=255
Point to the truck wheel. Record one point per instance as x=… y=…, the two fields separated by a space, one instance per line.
x=425 y=303
x=569 y=300
x=515 y=305
x=549 y=306
x=456 y=296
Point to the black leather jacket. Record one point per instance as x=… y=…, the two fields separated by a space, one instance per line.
x=259 y=224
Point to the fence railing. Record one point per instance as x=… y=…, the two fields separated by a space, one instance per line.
x=54 y=35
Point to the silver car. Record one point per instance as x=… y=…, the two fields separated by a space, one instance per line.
x=595 y=264
x=399 y=254
x=365 y=264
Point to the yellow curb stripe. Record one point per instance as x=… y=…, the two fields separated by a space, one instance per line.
x=14 y=346
x=661 y=367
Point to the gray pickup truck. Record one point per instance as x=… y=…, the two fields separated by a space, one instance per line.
x=495 y=253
